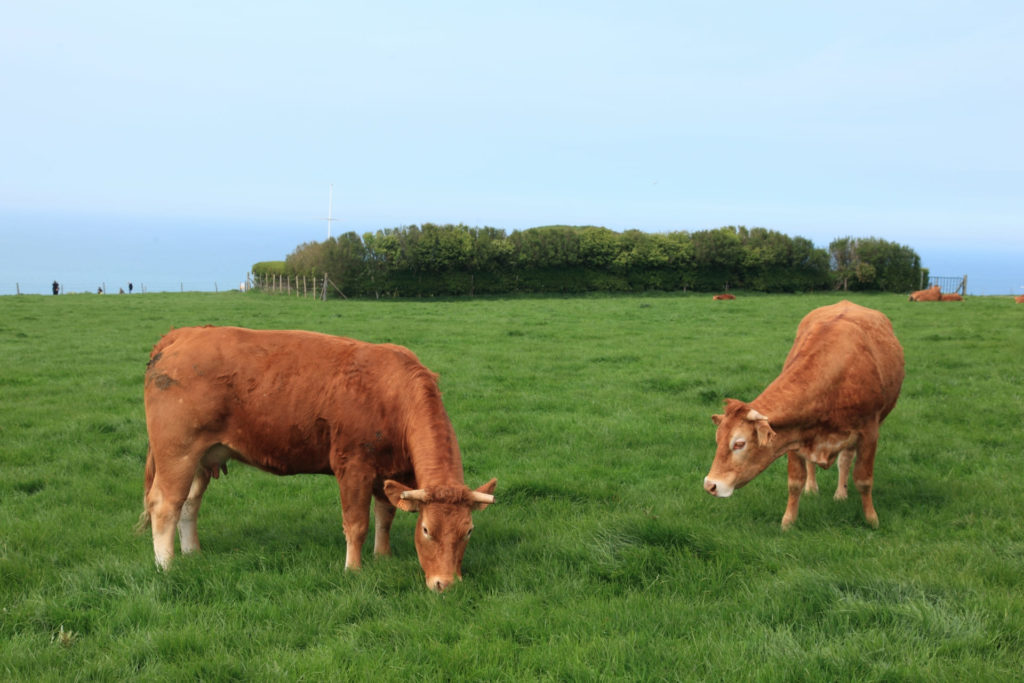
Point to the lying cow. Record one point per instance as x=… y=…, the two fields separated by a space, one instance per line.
x=292 y=402
x=951 y=297
x=933 y=293
x=723 y=297
x=840 y=379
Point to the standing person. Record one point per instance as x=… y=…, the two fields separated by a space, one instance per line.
x=56 y=288
x=129 y=288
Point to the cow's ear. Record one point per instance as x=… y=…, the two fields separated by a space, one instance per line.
x=394 y=490
x=717 y=419
x=487 y=490
x=765 y=433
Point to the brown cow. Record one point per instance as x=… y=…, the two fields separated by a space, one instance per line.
x=1019 y=299
x=723 y=297
x=933 y=293
x=294 y=402
x=840 y=379
x=951 y=297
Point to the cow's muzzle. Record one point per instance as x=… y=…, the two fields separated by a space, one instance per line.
x=439 y=584
x=717 y=488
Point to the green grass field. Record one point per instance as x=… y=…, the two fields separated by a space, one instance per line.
x=603 y=557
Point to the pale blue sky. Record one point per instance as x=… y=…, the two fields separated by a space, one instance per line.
x=193 y=139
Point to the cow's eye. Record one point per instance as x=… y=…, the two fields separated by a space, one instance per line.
x=426 y=533
x=738 y=444
x=469 y=532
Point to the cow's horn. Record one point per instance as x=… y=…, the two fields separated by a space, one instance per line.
x=754 y=416
x=415 y=494
x=479 y=497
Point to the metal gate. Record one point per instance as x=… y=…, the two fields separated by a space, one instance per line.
x=950 y=285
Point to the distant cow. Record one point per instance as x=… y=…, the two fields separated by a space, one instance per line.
x=840 y=380
x=953 y=296
x=293 y=402
x=933 y=293
x=723 y=297
x=1019 y=299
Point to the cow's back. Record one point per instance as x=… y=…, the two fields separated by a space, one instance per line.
x=846 y=357
x=279 y=399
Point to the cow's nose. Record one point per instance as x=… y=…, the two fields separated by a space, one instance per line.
x=438 y=584
x=710 y=486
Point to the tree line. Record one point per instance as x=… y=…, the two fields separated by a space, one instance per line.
x=445 y=260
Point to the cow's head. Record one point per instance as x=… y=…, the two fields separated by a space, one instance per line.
x=443 y=526
x=744 y=448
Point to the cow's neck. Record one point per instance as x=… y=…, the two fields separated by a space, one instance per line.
x=777 y=399
x=786 y=441
x=816 y=443
x=785 y=403
x=433 y=451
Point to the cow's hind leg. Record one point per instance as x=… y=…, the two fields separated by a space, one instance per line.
x=187 y=533
x=384 y=514
x=797 y=477
x=864 y=474
x=845 y=458
x=164 y=502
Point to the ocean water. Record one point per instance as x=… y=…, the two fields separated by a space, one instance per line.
x=154 y=255
x=990 y=270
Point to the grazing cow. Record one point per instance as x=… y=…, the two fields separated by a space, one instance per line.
x=294 y=402
x=840 y=379
x=723 y=297
x=933 y=293
x=951 y=297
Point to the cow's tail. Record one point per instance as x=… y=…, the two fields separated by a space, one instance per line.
x=143 y=522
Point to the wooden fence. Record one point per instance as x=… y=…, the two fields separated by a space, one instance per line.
x=299 y=286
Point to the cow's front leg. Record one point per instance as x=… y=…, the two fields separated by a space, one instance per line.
x=355 y=514
x=811 y=486
x=384 y=514
x=797 y=469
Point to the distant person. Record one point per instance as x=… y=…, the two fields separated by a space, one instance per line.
x=99 y=290
x=56 y=288
x=129 y=288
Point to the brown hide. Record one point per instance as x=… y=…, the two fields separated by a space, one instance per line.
x=295 y=402
x=1019 y=299
x=933 y=293
x=723 y=297
x=839 y=381
x=951 y=297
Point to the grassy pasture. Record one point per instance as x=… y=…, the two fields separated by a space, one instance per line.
x=603 y=558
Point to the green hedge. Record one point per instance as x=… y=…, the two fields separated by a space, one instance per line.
x=457 y=260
